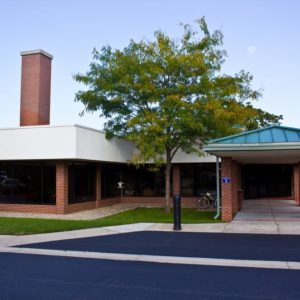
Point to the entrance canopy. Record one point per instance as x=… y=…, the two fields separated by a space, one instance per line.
x=270 y=145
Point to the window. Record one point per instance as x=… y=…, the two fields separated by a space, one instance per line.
x=142 y=182
x=30 y=182
x=139 y=182
x=82 y=182
x=110 y=176
x=196 y=179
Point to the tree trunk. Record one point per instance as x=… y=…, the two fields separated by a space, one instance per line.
x=167 y=182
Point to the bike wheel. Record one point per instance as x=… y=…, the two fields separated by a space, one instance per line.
x=200 y=202
x=203 y=203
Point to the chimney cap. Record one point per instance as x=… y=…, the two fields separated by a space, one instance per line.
x=38 y=51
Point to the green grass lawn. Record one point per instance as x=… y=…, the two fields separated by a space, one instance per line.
x=19 y=226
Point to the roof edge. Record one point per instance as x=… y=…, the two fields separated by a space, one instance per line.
x=251 y=147
x=252 y=131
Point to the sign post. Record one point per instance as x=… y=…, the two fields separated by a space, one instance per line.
x=177 y=212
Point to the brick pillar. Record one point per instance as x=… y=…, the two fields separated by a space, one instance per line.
x=62 y=183
x=176 y=179
x=240 y=187
x=98 y=186
x=296 y=178
x=234 y=185
x=227 y=199
x=35 y=88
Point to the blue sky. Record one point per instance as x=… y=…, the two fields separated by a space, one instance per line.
x=260 y=36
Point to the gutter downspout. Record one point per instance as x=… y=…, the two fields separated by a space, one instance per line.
x=218 y=188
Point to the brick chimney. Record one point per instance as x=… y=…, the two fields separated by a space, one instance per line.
x=35 y=88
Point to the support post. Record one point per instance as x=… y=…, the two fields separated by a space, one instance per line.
x=234 y=185
x=296 y=178
x=227 y=199
x=62 y=187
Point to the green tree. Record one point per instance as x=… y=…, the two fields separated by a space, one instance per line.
x=168 y=94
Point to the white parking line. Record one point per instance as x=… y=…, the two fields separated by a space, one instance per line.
x=158 y=259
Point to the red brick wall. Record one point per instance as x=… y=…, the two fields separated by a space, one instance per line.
x=296 y=187
x=159 y=201
x=62 y=183
x=35 y=90
x=189 y=202
x=227 y=197
x=144 y=200
x=110 y=201
x=72 y=208
x=28 y=208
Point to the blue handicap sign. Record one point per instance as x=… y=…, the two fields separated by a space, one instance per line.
x=226 y=179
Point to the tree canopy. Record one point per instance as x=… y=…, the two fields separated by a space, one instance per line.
x=170 y=94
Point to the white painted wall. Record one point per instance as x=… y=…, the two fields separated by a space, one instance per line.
x=37 y=142
x=71 y=142
x=182 y=157
x=92 y=144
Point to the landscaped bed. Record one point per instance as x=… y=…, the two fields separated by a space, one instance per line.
x=19 y=226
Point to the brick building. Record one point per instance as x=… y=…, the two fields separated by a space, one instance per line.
x=64 y=169
x=258 y=164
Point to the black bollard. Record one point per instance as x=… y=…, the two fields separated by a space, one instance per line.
x=177 y=212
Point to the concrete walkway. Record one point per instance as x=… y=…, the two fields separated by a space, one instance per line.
x=269 y=210
x=9 y=244
x=200 y=261
x=267 y=227
x=258 y=216
x=267 y=216
x=12 y=240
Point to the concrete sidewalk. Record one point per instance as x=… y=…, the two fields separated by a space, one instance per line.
x=233 y=227
x=257 y=217
x=270 y=216
x=276 y=210
x=9 y=244
x=196 y=261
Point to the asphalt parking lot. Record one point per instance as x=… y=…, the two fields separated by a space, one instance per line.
x=54 y=275
x=210 y=245
x=47 y=277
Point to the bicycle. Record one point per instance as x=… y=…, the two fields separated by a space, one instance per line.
x=207 y=200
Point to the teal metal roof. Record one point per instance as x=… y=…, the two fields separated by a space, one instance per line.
x=272 y=134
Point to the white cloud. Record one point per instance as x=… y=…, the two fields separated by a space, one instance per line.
x=251 y=50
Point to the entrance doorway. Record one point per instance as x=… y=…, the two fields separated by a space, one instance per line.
x=266 y=181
